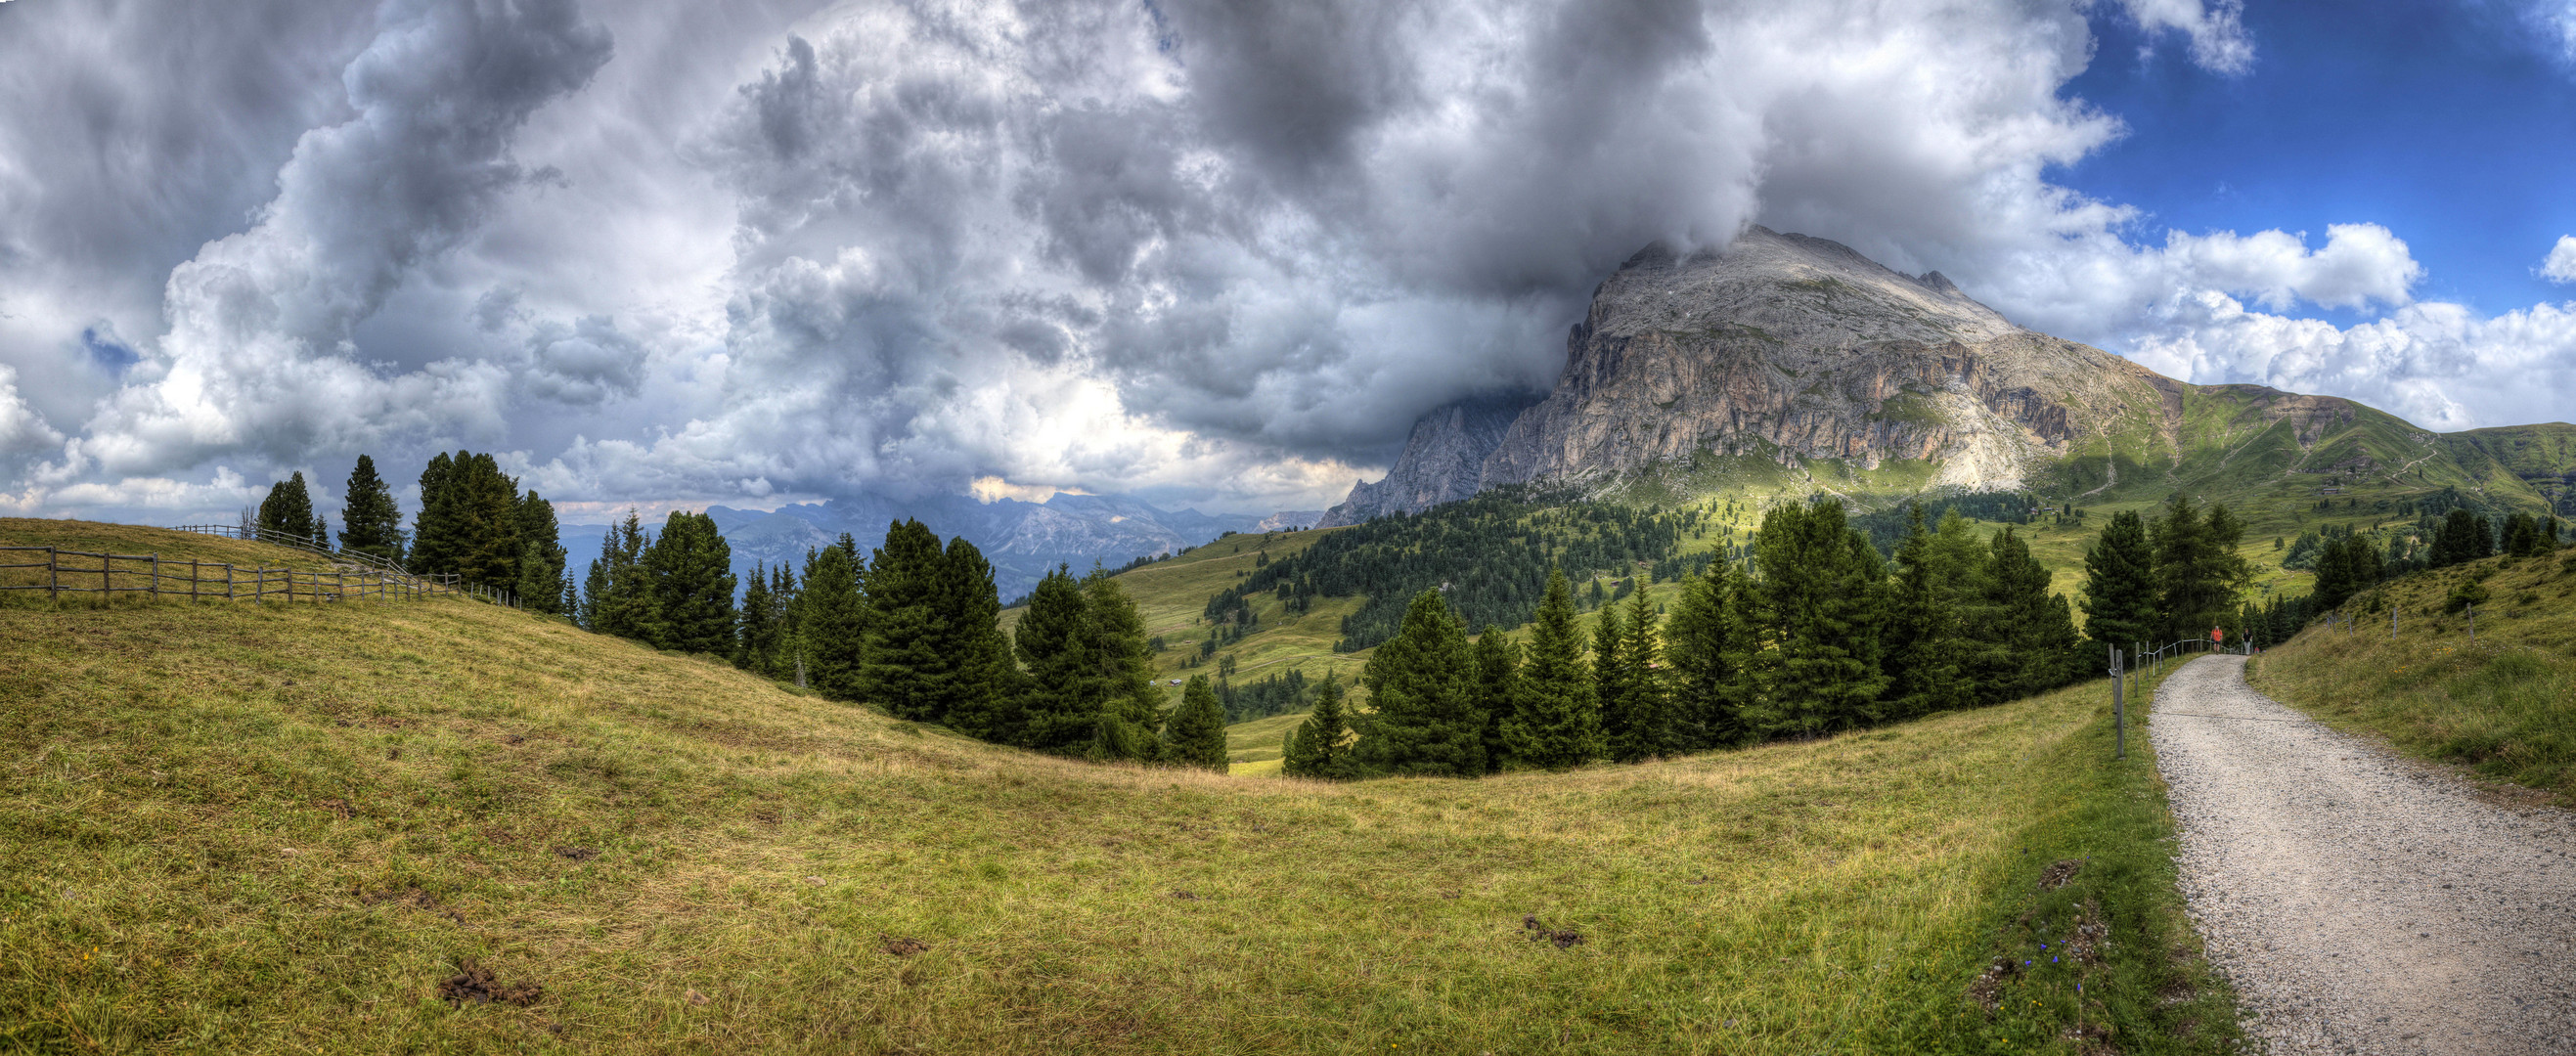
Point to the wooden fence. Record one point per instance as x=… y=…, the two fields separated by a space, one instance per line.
x=149 y=574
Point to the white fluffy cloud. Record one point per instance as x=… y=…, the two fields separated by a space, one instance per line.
x=2561 y=263
x=1214 y=251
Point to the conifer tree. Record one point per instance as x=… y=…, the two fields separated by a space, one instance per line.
x=288 y=509
x=370 y=522
x=689 y=577
x=2197 y=566
x=1556 y=721
x=2035 y=635
x=982 y=696
x=617 y=598
x=485 y=501
x=1644 y=727
x=436 y=534
x=1065 y=689
x=2120 y=586
x=1196 y=734
x=1609 y=676
x=1495 y=687
x=541 y=555
x=1321 y=746
x=832 y=619
x=755 y=624
x=1704 y=643
x=1423 y=721
x=784 y=603
x=1927 y=637
x=908 y=664
x=1131 y=711
x=1816 y=623
x=321 y=533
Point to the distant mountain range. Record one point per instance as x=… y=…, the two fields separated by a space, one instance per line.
x=1791 y=364
x=1023 y=540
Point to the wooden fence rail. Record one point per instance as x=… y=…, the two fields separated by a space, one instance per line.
x=199 y=580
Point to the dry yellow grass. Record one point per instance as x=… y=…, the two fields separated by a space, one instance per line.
x=281 y=828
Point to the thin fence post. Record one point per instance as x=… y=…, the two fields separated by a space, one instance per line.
x=106 y=578
x=192 y=581
x=2119 y=708
x=228 y=581
x=53 y=576
x=156 y=576
x=339 y=585
x=259 y=587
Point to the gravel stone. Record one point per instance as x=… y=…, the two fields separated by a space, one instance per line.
x=2359 y=901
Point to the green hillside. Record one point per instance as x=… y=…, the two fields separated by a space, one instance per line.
x=2405 y=668
x=447 y=826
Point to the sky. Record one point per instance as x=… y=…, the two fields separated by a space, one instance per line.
x=1211 y=253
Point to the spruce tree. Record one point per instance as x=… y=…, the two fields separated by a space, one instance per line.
x=908 y=667
x=2120 y=587
x=790 y=644
x=436 y=533
x=1609 y=677
x=288 y=509
x=1423 y=722
x=832 y=618
x=1495 y=687
x=982 y=695
x=1816 y=623
x=1131 y=709
x=1704 y=643
x=2034 y=633
x=1321 y=746
x=1556 y=721
x=370 y=522
x=2197 y=566
x=1645 y=727
x=541 y=554
x=321 y=533
x=1065 y=689
x=689 y=577
x=1927 y=637
x=618 y=599
x=755 y=640
x=1196 y=734
x=485 y=502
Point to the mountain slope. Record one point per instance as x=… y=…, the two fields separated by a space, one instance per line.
x=1858 y=380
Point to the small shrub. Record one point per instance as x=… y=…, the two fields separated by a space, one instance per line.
x=2467 y=593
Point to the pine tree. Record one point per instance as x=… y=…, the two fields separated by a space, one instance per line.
x=2521 y=535
x=617 y=598
x=982 y=695
x=541 y=555
x=1816 y=623
x=832 y=619
x=1423 y=722
x=1321 y=746
x=755 y=642
x=1609 y=677
x=485 y=502
x=436 y=533
x=688 y=575
x=1131 y=710
x=288 y=509
x=2197 y=566
x=1065 y=690
x=908 y=665
x=2120 y=586
x=1556 y=721
x=1704 y=643
x=1645 y=726
x=1196 y=734
x=784 y=604
x=321 y=534
x=2035 y=634
x=1928 y=637
x=370 y=522
x=1495 y=686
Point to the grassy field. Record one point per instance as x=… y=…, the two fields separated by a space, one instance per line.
x=2505 y=706
x=335 y=828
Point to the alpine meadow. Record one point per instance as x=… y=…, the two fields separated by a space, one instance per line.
x=1476 y=527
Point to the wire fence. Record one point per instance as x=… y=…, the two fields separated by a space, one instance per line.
x=75 y=572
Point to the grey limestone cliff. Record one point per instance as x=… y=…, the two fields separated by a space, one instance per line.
x=1783 y=346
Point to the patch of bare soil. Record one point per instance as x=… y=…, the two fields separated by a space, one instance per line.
x=475 y=984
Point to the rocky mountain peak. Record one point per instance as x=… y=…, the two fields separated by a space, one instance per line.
x=1780 y=345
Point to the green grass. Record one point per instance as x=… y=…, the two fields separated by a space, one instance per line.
x=2504 y=707
x=280 y=828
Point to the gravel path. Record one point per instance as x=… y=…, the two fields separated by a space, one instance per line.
x=2362 y=902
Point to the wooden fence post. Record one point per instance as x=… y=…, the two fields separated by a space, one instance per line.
x=259 y=586
x=53 y=575
x=106 y=580
x=192 y=581
x=228 y=581
x=156 y=576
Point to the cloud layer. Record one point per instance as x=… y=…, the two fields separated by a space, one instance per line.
x=1216 y=252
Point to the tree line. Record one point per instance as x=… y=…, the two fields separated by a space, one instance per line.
x=474 y=523
x=1814 y=632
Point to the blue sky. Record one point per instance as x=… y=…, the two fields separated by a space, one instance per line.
x=2453 y=124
